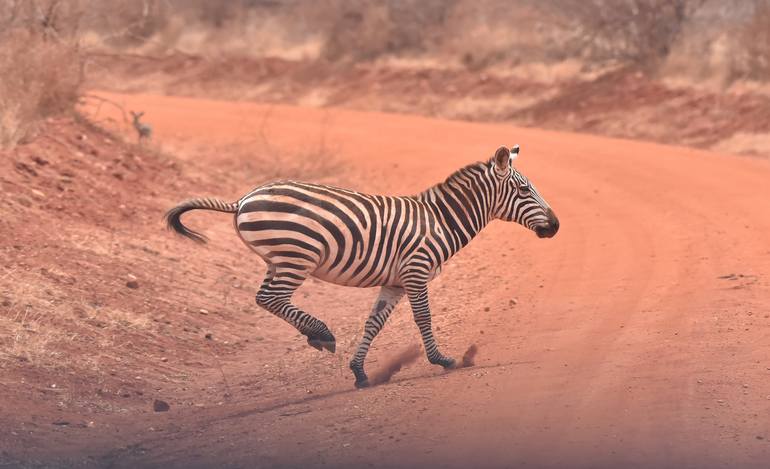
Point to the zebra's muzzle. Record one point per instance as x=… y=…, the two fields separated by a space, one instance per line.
x=549 y=228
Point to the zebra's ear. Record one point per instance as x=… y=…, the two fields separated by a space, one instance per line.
x=503 y=158
x=514 y=152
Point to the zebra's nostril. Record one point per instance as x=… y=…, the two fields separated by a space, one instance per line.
x=553 y=221
x=548 y=230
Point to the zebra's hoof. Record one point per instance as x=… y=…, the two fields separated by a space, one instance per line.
x=330 y=346
x=323 y=340
x=319 y=344
x=448 y=363
x=362 y=381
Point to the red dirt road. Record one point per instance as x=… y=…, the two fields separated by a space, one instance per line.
x=639 y=336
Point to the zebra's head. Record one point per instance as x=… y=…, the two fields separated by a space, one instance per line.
x=517 y=198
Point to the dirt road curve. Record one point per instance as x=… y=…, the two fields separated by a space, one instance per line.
x=638 y=336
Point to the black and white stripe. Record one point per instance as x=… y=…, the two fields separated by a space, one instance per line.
x=355 y=239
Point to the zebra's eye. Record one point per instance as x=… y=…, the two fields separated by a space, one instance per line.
x=524 y=190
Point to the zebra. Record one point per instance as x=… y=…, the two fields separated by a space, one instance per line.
x=350 y=238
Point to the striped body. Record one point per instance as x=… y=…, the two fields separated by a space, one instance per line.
x=339 y=236
x=359 y=240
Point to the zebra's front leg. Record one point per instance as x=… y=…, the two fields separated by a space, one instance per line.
x=418 y=298
x=386 y=302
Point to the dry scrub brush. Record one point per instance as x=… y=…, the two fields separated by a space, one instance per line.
x=635 y=33
x=259 y=160
x=368 y=29
x=41 y=66
x=756 y=40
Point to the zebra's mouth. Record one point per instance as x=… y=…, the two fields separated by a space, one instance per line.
x=545 y=231
x=548 y=229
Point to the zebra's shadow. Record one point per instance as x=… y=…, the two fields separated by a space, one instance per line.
x=342 y=392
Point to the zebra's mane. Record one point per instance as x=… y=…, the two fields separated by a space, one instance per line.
x=456 y=176
x=465 y=170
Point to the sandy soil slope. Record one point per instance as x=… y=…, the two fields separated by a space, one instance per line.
x=638 y=336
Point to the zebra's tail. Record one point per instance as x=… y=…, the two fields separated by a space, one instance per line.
x=174 y=223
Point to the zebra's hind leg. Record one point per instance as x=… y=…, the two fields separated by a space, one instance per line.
x=275 y=296
x=418 y=298
x=383 y=306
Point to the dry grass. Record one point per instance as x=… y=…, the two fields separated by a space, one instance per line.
x=24 y=335
x=42 y=71
x=35 y=310
x=27 y=340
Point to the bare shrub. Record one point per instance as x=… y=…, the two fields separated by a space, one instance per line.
x=638 y=33
x=368 y=29
x=54 y=19
x=755 y=39
x=127 y=23
x=41 y=66
x=315 y=162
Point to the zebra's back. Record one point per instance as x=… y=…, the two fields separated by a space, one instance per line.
x=337 y=235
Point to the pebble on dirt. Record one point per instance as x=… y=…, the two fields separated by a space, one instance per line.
x=209 y=336
x=160 y=406
x=133 y=284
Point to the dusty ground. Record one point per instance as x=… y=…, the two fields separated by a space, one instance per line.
x=638 y=336
x=616 y=103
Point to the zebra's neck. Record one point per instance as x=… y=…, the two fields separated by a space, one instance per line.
x=462 y=204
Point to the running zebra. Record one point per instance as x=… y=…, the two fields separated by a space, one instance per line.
x=360 y=240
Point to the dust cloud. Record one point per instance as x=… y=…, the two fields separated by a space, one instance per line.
x=469 y=356
x=395 y=364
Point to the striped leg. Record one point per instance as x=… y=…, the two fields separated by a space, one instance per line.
x=386 y=302
x=275 y=296
x=418 y=298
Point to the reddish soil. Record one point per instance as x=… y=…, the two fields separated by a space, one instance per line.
x=638 y=336
x=618 y=103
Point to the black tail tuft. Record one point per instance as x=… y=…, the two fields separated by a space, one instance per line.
x=173 y=216
x=174 y=223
